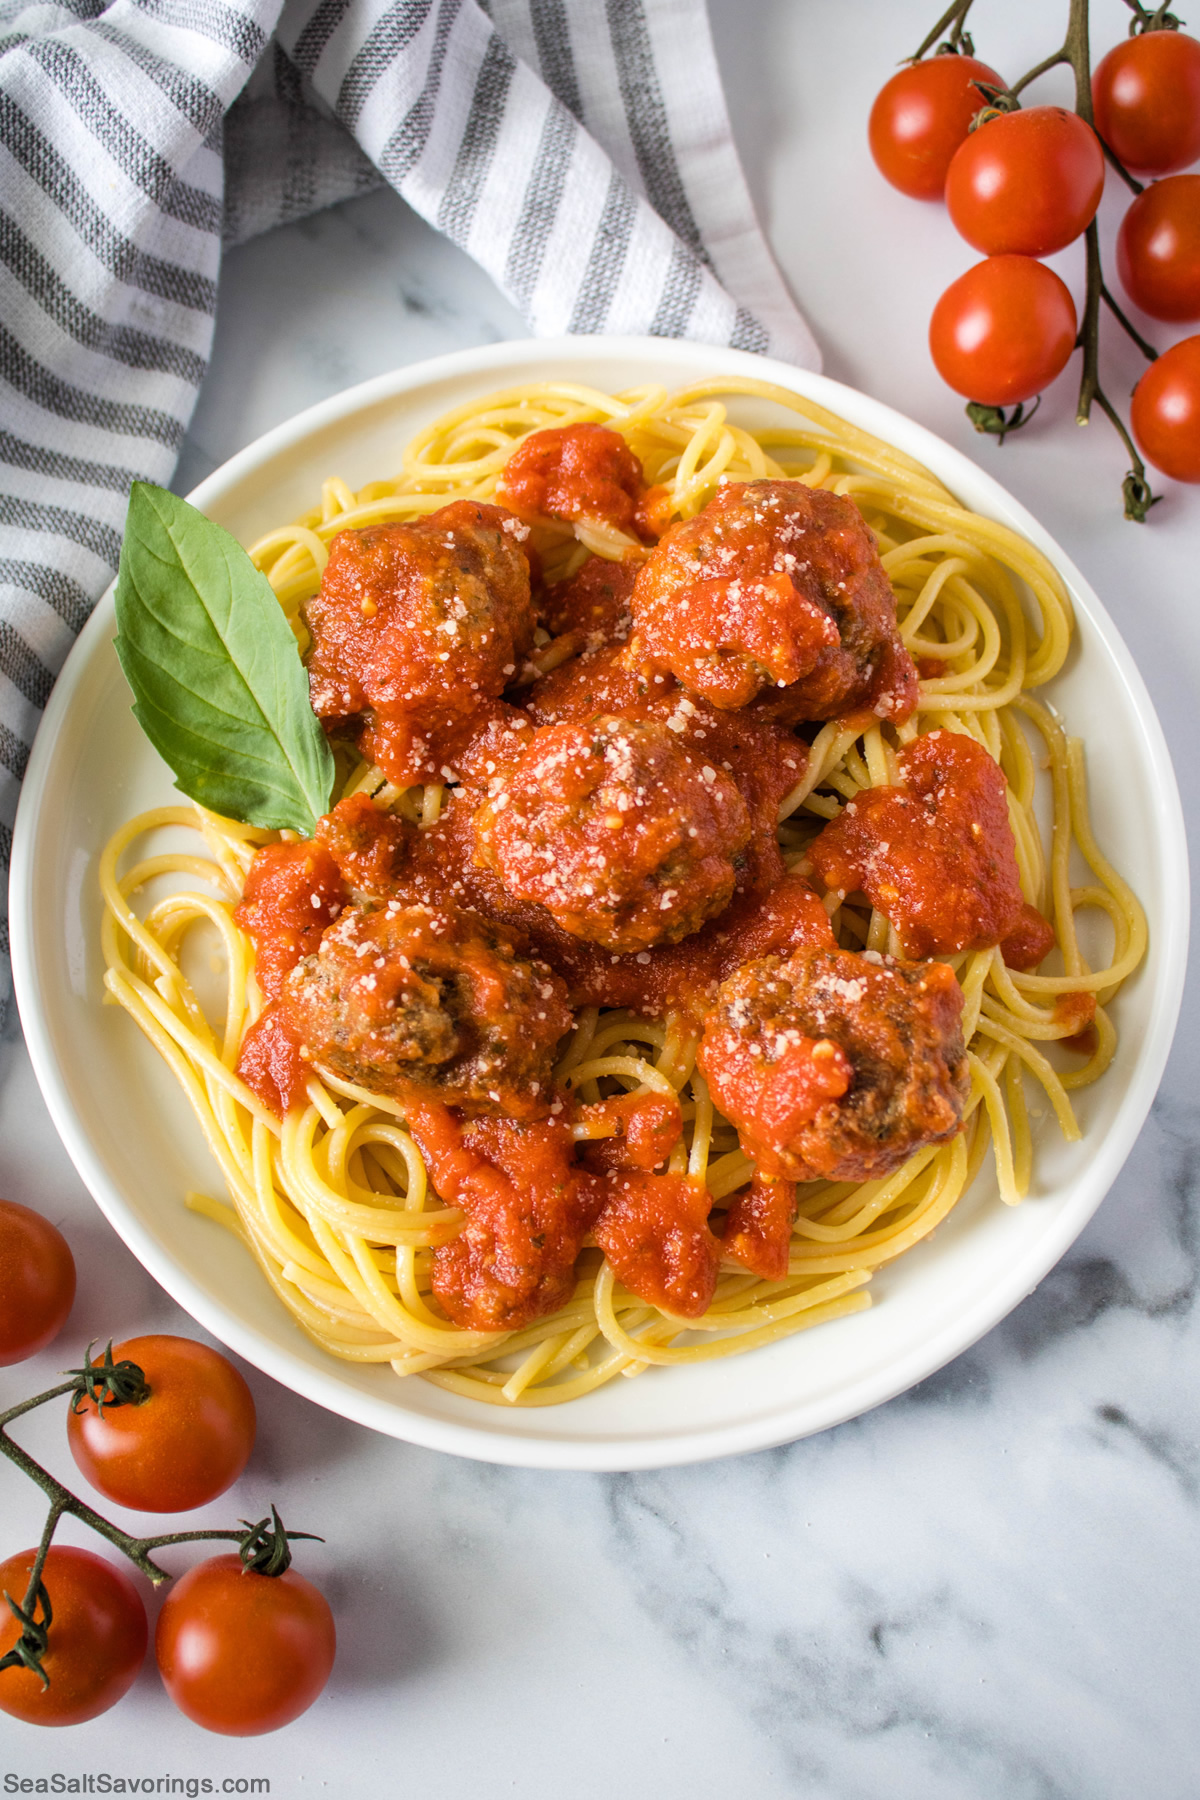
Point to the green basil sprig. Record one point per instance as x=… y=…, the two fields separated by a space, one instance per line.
x=218 y=685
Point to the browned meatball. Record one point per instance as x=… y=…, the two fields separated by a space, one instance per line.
x=626 y=838
x=415 y=625
x=430 y=1003
x=837 y=1065
x=775 y=589
x=763 y=757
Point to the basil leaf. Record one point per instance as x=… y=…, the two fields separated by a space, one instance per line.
x=218 y=685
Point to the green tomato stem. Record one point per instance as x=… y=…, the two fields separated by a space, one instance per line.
x=62 y=1500
x=1131 y=182
x=39 y=1563
x=1147 y=350
x=1042 y=68
x=954 y=17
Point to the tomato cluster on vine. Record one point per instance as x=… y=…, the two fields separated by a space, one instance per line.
x=244 y=1643
x=1021 y=183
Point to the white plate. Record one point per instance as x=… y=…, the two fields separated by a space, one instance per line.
x=135 y=1143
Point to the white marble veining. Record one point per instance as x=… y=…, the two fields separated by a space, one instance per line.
x=987 y=1590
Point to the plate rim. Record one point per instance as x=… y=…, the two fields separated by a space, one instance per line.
x=783 y=1424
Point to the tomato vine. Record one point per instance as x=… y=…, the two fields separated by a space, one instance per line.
x=951 y=37
x=263 y=1546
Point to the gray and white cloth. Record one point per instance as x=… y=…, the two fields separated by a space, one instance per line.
x=579 y=150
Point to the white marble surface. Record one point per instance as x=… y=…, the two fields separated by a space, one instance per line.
x=987 y=1589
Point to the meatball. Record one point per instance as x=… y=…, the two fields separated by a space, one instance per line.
x=837 y=1065
x=763 y=758
x=574 y=472
x=775 y=590
x=626 y=838
x=430 y=1003
x=413 y=626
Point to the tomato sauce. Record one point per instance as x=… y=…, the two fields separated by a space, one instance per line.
x=770 y=1102
x=1079 y=1012
x=1030 y=943
x=270 y=1063
x=758 y=1226
x=936 y=853
x=645 y=1129
x=368 y=845
x=654 y=1231
x=293 y=891
x=528 y=1208
x=582 y=472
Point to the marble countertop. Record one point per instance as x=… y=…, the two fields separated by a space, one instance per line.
x=988 y=1588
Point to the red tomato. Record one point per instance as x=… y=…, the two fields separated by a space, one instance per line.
x=1158 y=249
x=243 y=1653
x=921 y=116
x=96 y=1639
x=1166 y=411
x=1146 y=96
x=181 y=1446
x=37 y=1282
x=1003 y=331
x=1026 y=183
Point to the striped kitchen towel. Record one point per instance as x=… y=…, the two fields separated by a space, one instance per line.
x=580 y=150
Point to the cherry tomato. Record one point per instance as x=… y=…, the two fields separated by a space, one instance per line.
x=96 y=1639
x=37 y=1282
x=1166 y=411
x=1146 y=96
x=921 y=116
x=181 y=1446
x=1026 y=183
x=1003 y=331
x=242 y=1653
x=1158 y=249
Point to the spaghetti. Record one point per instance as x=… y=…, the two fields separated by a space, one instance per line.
x=335 y=1201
